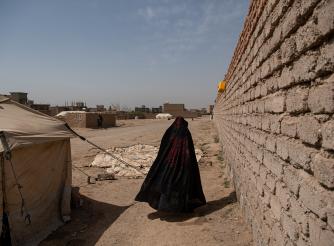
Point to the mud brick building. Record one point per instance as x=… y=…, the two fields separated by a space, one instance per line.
x=178 y=110
x=88 y=119
x=275 y=121
x=20 y=97
x=44 y=108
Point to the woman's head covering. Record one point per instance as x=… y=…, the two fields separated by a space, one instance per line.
x=180 y=122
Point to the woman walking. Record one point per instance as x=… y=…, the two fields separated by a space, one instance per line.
x=173 y=183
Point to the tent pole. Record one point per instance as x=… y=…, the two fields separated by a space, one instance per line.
x=7 y=236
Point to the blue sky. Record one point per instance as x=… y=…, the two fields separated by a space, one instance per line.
x=118 y=51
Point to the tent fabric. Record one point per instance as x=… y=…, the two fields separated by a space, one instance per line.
x=41 y=157
x=46 y=190
x=3 y=98
x=24 y=126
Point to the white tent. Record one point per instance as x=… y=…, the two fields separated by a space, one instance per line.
x=64 y=113
x=164 y=116
x=41 y=160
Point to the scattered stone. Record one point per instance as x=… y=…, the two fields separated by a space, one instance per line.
x=105 y=176
x=91 y=180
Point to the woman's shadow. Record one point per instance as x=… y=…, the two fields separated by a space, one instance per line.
x=207 y=209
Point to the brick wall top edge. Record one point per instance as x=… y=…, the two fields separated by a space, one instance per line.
x=255 y=10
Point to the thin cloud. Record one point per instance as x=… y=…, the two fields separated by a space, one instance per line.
x=183 y=27
x=161 y=11
x=148 y=13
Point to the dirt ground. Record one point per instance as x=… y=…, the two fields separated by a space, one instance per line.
x=110 y=216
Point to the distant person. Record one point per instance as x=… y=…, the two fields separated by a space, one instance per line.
x=99 y=121
x=173 y=183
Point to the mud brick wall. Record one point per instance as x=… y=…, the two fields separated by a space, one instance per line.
x=89 y=120
x=75 y=119
x=276 y=124
x=109 y=120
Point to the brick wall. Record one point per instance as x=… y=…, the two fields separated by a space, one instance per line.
x=75 y=119
x=276 y=123
x=89 y=119
x=109 y=120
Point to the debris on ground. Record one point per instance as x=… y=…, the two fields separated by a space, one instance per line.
x=140 y=157
x=105 y=176
x=91 y=180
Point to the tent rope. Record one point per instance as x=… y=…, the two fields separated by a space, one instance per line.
x=8 y=156
x=84 y=173
x=5 y=229
x=2 y=163
x=103 y=150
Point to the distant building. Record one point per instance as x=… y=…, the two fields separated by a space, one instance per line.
x=77 y=106
x=20 y=97
x=54 y=110
x=80 y=104
x=173 y=107
x=82 y=119
x=194 y=110
x=142 y=109
x=100 y=108
x=44 y=108
x=157 y=110
x=203 y=110
x=123 y=115
x=178 y=110
x=30 y=102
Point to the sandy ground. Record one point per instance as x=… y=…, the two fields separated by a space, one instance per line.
x=110 y=216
